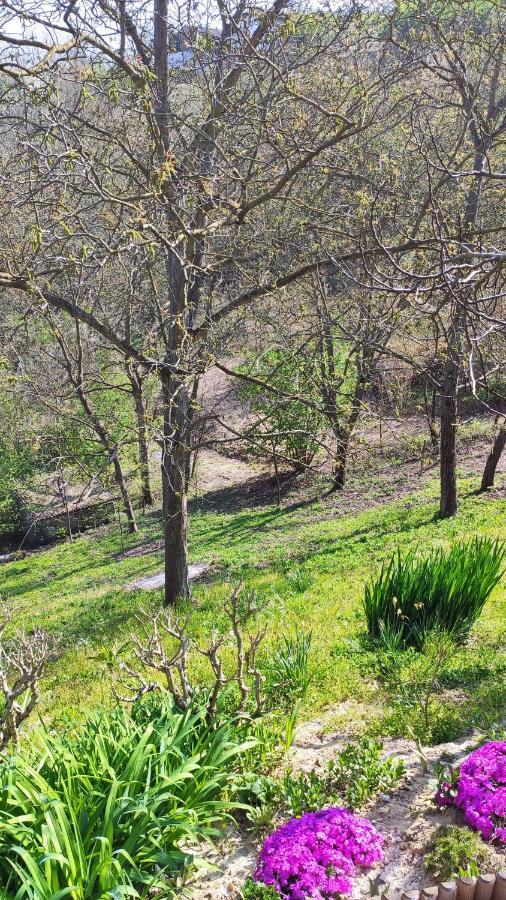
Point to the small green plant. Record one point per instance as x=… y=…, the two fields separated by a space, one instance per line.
x=287 y=671
x=455 y=850
x=358 y=773
x=255 y=890
x=445 y=590
x=299 y=579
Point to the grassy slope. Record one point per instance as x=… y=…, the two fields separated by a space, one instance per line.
x=77 y=590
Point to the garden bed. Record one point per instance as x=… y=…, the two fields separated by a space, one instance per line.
x=407 y=818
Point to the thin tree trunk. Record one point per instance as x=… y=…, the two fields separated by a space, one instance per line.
x=430 y=415
x=77 y=379
x=340 y=460
x=142 y=437
x=493 y=459
x=112 y=450
x=175 y=509
x=448 y=441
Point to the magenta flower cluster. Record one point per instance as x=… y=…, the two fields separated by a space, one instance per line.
x=316 y=856
x=480 y=791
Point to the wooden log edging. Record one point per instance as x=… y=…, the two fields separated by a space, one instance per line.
x=485 y=887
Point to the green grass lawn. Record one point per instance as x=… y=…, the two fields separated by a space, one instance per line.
x=77 y=590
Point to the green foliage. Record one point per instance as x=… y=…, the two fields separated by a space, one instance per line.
x=357 y=774
x=456 y=850
x=17 y=460
x=287 y=671
x=255 y=890
x=354 y=776
x=414 y=679
x=445 y=589
x=103 y=812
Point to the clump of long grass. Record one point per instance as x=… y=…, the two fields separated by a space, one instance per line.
x=444 y=590
x=299 y=579
x=109 y=811
x=287 y=671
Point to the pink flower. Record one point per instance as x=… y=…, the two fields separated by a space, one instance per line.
x=316 y=856
x=481 y=791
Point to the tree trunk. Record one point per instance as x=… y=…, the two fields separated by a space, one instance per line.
x=175 y=510
x=448 y=440
x=340 y=460
x=142 y=438
x=112 y=450
x=430 y=415
x=120 y=479
x=493 y=458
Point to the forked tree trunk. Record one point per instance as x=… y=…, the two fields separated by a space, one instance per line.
x=493 y=459
x=448 y=441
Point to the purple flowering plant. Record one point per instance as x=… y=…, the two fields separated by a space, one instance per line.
x=317 y=855
x=478 y=788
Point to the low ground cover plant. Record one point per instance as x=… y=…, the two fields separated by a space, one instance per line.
x=108 y=810
x=454 y=851
x=358 y=773
x=478 y=788
x=318 y=854
x=444 y=590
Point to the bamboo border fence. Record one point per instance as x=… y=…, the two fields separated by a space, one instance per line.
x=485 y=887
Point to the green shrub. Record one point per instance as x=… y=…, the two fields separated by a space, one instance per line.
x=287 y=671
x=105 y=812
x=255 y=890
x=444 y=590
x=455 y=850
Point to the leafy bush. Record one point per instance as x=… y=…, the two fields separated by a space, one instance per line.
x=299 y=579
x=414 y=680
x=287 y=429
x=478 y=788
x=105 y=812
x=287 y=671
x=444 y=590
x=318 y=854
x=454 y=851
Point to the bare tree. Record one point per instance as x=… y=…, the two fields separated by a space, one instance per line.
x=23 y=659
x=150 y=649
x=212 y=171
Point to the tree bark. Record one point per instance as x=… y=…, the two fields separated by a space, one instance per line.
x=123 y=489
x=493 y=458
x=448 y=441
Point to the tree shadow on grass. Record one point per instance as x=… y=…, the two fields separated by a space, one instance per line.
x=255 y=492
